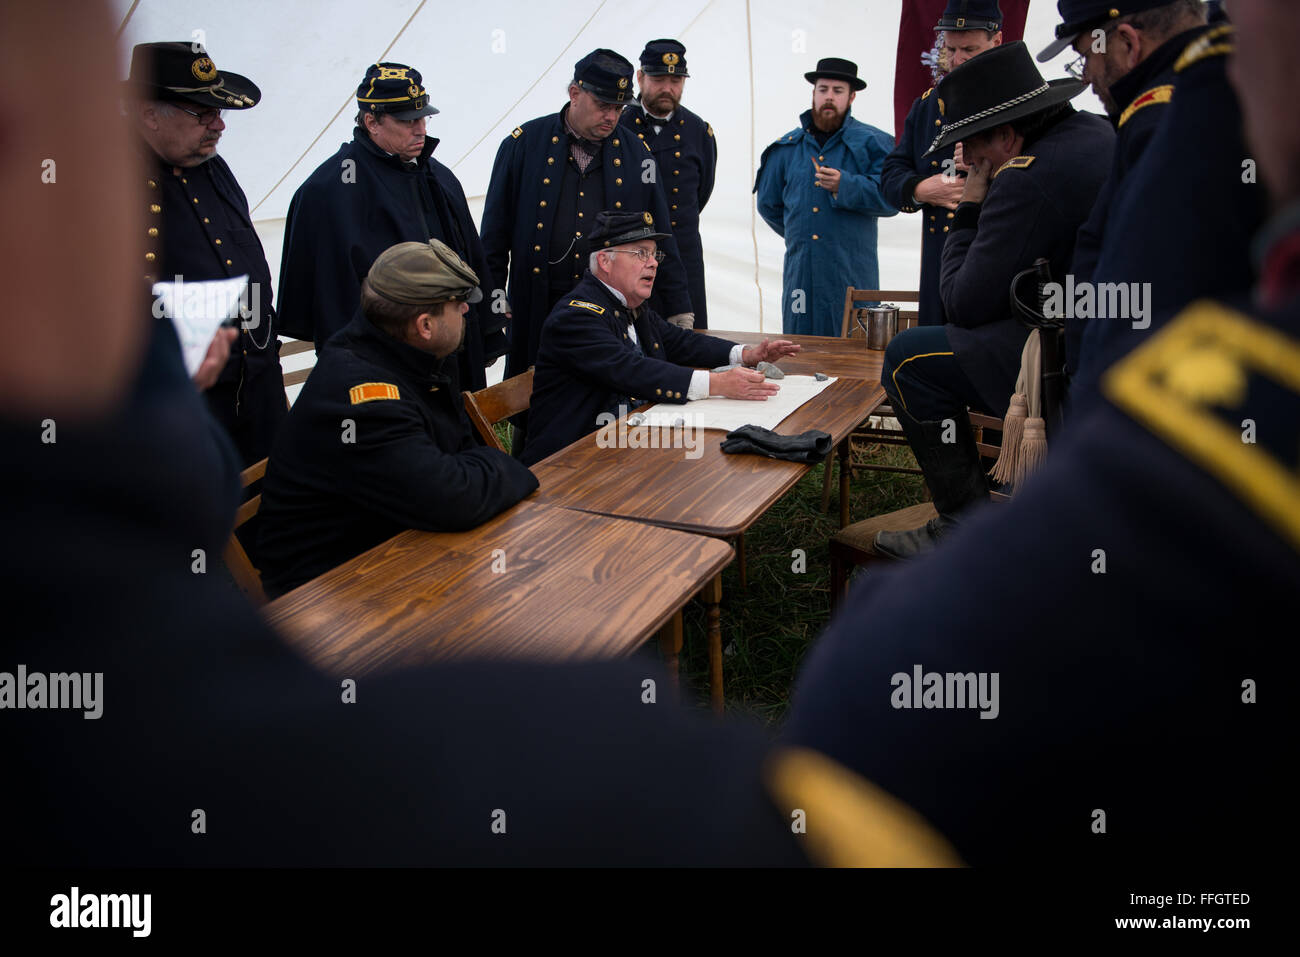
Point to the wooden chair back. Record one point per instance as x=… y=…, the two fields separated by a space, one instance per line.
x=849 y=327
x=295 y=347
x=487 y=407
x=248 y=578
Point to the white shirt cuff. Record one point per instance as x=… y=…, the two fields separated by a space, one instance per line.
x=699 y=387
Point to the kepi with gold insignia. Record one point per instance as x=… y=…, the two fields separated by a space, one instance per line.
x=664 y=58
x=395 y=89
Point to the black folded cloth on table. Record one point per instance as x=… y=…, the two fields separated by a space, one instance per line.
x=811 y=446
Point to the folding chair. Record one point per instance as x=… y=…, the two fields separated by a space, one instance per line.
x=248 y=578
x=487 y=407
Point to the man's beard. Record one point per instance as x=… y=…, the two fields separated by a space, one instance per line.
x=831 y=121
x=662 y=105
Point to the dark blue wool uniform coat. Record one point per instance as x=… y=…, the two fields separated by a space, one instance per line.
x=522 y=221
x=377 y=442
x=687 y=155
x=1034 y=207
x=1184 y=217
x=1114 y=688
x=903 y=171
x=588 y=364
x=355 y=205
x=830 y=241
x=198 y=227
x=1142 y=97
x=204 y=697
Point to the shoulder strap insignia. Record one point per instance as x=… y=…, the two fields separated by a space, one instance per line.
x=927 y=93
x=517 y=132
x=1212 y=43
x=373 y=391
x=709 y=128
x=1016 y=162
x=589 y=306
x=1153 y=96
x=1192 y=385
x=861 y=824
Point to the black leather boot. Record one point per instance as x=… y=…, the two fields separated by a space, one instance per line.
x=952 y=471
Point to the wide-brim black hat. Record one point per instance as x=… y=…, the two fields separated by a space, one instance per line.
x=617 y=228
x=996 y=87
x=184 y=71
x=833 y=68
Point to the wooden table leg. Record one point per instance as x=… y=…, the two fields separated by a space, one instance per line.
x=846 y=473
x=670 y=644
x=712 y=595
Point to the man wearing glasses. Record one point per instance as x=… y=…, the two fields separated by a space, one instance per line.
x=916 y=180
x=552 y=176
x=382 y=188
x=602 y=348
x=199 y=226
x=1127 y=50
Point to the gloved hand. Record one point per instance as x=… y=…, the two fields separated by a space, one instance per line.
x=811 y=446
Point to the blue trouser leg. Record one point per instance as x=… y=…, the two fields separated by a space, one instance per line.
x=922 y=377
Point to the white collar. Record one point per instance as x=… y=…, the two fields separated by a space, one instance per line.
x=618 y=295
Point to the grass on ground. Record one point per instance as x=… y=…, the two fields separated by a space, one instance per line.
x=769 y=626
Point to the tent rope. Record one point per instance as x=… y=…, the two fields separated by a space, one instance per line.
x=127 y=19
x=337 y=113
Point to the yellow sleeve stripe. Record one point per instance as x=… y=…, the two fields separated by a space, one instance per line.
x=1204 y=358
x=847 y=820
x=1157 y=94
x=371 y=391
x=1205 y=47
x=1016 y=162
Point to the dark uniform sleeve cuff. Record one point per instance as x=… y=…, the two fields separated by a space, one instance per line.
x=967 y=216
x=909 y=191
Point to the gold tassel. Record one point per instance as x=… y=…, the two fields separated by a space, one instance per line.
x=1013 y=426
x=1033 y=449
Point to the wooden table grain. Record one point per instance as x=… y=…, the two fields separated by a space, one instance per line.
x=714 y=494
x=849 y=358
x=533 y=583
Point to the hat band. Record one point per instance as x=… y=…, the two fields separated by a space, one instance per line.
x=1015 y=101
x=214 y=89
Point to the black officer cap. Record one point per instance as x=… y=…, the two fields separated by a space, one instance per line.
x=605 y=75
x=395 y=89
x=420 y=273
x=664 y=57
x=1082 y=15
x=184 y=71
x=615 y=227
x=833 y=68
x=971 y=15
x=993 y=88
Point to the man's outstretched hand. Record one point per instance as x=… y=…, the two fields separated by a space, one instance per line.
x=769 y=350
x=740 y=383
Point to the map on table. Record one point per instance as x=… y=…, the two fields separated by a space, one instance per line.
x=728 y=414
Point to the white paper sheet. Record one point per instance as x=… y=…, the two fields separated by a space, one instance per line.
x=197 y=310
x=728 y=414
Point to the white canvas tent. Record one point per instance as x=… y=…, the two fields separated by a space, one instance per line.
x=494 y=64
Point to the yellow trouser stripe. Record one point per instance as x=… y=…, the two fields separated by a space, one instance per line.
x=894 y=376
